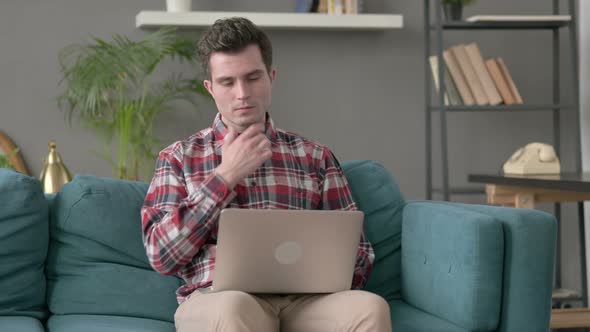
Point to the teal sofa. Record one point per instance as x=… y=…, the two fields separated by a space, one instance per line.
x=75 y=261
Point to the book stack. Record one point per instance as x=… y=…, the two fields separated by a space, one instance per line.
x=332 y=7
x=472 y=80
x=339 y=7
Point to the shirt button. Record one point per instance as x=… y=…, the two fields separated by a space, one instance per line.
x=220 y=193
x=253 y=183
x=299 y=190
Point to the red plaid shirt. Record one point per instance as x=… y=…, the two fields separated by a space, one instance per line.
x=182 y=206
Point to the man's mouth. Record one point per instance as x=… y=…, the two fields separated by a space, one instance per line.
x=244 y=108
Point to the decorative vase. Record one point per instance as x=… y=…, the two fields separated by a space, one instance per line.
x=453 y=12
x=178 y=6
x=55 y=174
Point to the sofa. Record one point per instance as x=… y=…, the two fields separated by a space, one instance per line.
x=74 y=261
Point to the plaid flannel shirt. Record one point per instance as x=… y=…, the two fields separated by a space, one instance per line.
x=185 y=197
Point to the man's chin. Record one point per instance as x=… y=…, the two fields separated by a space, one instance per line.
x=246 y=125
x=250 y=120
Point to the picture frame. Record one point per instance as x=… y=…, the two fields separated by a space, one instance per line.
x=16 y=159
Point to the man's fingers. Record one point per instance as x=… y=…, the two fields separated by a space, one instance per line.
x=258 y=127
x=264 y=149
x=264 y=144
x=266 y=153
x=255 y=141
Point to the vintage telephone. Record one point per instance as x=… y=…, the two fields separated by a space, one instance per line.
x=534 y=158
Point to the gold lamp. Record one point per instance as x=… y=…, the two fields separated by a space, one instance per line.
x=55 y=174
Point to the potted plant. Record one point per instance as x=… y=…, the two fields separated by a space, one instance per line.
x=110 y=88
x=5 y=159
x=453 y=9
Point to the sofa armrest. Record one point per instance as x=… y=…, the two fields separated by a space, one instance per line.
x=452 y=264
x=530 y=240
x=480 y=267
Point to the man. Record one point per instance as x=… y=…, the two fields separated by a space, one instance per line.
x=243 y=161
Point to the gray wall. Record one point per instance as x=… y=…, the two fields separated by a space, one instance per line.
x=361 y=93
x=585 y=101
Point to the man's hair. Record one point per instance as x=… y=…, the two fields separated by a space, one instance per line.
x=232 y=35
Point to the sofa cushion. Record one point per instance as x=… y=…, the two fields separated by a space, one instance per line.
x=24 y=238
x=375 y=192
x=97 y=263
x=95 y=323
x=20 y=324
x=528 y=272
x=453 y=261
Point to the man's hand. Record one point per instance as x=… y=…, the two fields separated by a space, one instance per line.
x=242 y=155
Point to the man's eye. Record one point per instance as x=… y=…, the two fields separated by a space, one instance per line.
x=226 y=83
x=253 y=78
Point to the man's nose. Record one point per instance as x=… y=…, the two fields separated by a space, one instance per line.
x=243 y=90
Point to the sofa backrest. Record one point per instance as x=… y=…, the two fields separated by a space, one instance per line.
x=23 y=245
x=378 y=196
x=96 y=262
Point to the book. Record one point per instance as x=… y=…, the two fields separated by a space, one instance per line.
x=336 y=7
x=451 y=88
x=470 y=76
x=458 y=78
x=499 y=81
x=434 y=70
x=519 y=18
x=451 y=94
x=508 y=78
x=476 y=59
x=351 y=7
x=303 y=6
x=323 y=6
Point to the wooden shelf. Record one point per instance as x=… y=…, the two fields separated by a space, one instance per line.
x=462 y=190
x=292 y=21
x=570 y=318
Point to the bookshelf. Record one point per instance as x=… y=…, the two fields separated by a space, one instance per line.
x=435 y=28
x=281 y=21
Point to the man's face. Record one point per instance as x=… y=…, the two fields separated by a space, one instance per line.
x=241 y=86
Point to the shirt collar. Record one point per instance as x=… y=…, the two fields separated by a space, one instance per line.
x=220 y=130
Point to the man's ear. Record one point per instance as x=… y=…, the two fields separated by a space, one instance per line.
x=208 y=86
x=272 y=74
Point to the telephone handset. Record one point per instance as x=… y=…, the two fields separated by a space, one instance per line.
x=534 y=158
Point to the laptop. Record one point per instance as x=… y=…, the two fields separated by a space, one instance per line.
x=286 y=251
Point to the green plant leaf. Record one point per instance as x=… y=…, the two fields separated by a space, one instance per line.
x=108 y=86
x=5 y=159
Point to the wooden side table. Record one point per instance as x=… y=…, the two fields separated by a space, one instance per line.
x=526 y=191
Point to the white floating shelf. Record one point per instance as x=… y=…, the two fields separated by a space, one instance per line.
x=198 y=19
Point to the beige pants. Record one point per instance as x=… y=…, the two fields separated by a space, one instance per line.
x=231 y=311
